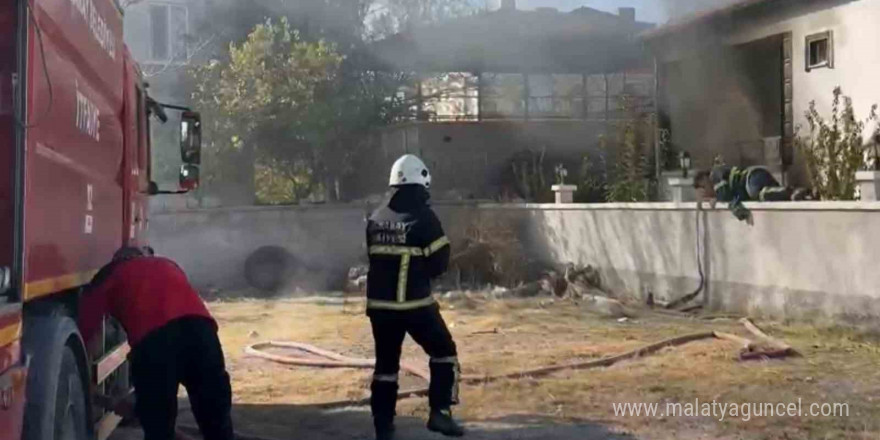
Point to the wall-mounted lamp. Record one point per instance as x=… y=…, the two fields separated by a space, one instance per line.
x=684 y=161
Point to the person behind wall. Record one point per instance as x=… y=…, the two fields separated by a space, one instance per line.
x=173 y=338
x=736 y=185
x=407 y=249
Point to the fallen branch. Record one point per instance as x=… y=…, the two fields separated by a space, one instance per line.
x=780 y=348
x=776 y=343
x=762 y=355
x=747 y=344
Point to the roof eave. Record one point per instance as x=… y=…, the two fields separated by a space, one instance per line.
x=697 y=19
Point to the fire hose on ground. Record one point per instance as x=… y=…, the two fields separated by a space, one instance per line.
x=320 y=358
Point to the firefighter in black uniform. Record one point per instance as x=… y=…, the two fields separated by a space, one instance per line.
x=408 y=248
x=737 y=185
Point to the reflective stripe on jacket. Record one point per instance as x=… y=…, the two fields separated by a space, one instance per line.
x=407 y=249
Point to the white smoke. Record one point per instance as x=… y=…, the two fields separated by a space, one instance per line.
x=680 y=8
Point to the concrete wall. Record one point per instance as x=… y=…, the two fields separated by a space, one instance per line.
x=213 y=245
x=806 y=260
x=798 y=260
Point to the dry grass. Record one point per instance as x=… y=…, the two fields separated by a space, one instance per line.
x=839 y=365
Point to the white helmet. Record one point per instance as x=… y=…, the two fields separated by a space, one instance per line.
x=410 y=170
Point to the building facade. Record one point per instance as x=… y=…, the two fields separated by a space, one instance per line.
x=513 y=88
x=737 y=82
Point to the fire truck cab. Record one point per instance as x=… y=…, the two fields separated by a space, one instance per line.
x=74 y=181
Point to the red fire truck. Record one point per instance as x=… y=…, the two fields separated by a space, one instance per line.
x=74 y=180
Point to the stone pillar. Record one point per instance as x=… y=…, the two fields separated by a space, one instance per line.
x=564 y=193
x=869 y=185
x=682 y=189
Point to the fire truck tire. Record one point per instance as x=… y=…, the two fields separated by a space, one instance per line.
x=57 y=407
x=70 y=402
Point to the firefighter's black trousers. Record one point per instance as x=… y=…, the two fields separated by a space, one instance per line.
x=761 y=185
x=426 y=327
x=185 y=351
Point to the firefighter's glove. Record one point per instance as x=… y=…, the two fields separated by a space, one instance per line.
x=741 y=213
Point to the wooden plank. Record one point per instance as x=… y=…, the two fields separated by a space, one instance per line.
x=111 y=362
x=107 y=425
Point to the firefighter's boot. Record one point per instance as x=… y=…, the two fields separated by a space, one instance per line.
x=441 y=421
x=383 y=402
x=385 y=432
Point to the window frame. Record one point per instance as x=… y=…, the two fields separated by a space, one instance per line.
x=828 y=37
x=171 y=38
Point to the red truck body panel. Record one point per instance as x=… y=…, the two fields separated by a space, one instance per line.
x=75 y=162
x=11 y=374
x=85 y=164
x=7 y=131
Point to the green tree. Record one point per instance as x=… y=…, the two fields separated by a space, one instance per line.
x=292 y=109
x=257 y=104
x=294 y=101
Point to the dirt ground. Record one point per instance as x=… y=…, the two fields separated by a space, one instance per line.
x=279 y=402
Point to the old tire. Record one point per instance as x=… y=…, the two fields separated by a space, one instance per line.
x=269 y=268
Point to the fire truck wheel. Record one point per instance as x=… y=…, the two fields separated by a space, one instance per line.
x=70 y=401
x=56 y=406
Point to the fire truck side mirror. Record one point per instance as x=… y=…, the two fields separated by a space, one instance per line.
x=191 y=138
x=189 y=177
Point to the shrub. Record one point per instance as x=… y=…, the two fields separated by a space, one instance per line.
x=835 y=149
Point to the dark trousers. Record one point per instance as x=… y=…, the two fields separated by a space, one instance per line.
x=427 y=328
x=185 y=351
x=762 y=186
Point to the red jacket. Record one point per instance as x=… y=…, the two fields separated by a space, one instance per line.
x=143 y=294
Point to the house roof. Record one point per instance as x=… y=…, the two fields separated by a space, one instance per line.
x=512 y=41
x=688 y=21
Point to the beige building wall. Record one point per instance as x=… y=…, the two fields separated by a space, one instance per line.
x=711 y=108
x=856 y=69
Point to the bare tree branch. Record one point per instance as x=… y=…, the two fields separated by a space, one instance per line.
x=172 y=65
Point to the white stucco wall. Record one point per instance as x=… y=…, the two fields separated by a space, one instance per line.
x=798 y=260
x=854 y=24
